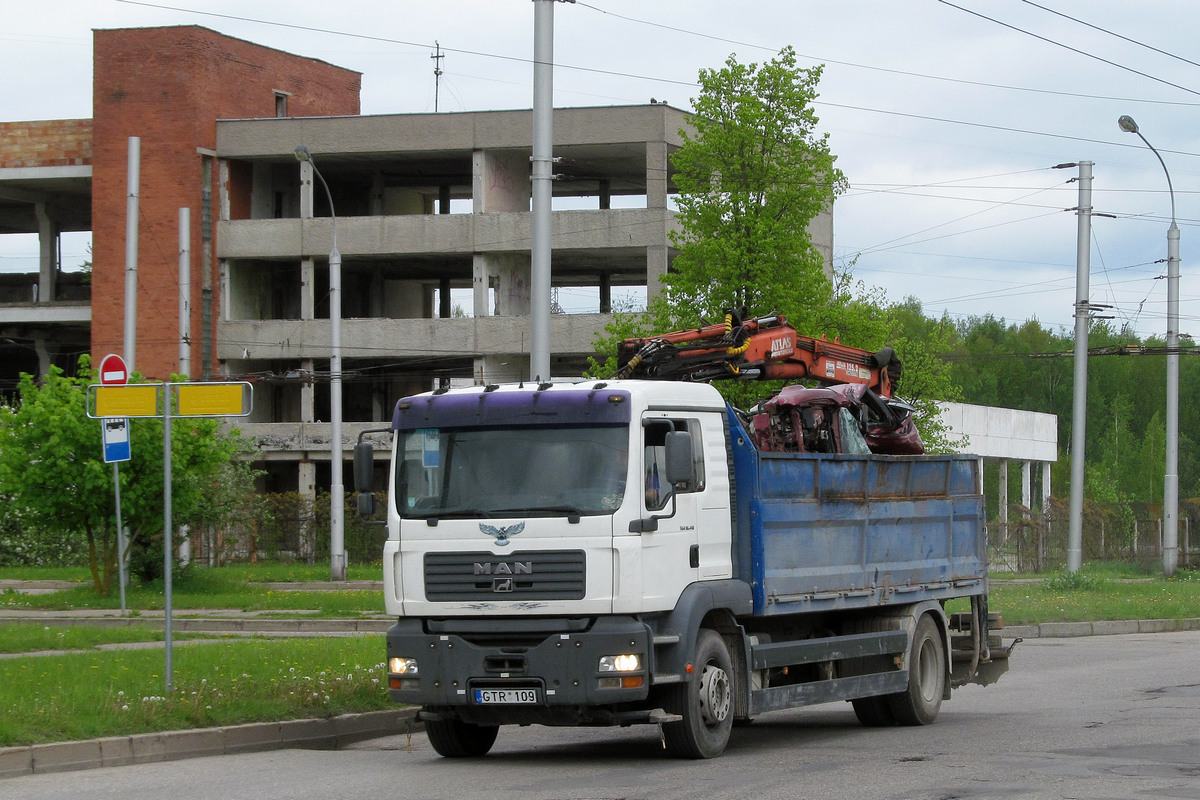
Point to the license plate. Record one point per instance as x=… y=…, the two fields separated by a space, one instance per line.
x=507 y=696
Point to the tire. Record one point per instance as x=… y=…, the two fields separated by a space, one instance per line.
x=705 y=701
x=919 y=705
x=873 y=712
x=453 y=738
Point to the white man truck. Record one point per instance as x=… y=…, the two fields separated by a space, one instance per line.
x=622 y=552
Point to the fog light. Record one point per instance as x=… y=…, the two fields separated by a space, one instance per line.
x=403 y=684
x=398 y=665
x=628 y=662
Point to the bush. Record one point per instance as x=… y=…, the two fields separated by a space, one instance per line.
x=146 y=563
x=1072 y=581
x=24 y=545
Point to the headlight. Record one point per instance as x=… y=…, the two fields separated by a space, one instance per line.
x=402 y=666
x=627 y=662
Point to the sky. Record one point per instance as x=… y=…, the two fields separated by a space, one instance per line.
x=946 y=116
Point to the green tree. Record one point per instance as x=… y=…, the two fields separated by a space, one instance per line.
x=751 y=177
x=53 y=476
x=922 y=344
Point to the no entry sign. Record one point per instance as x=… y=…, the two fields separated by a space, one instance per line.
x=113 y=371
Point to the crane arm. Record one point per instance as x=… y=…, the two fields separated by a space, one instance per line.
x=759 y=348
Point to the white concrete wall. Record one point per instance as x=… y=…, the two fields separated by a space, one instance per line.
x=1003 y=432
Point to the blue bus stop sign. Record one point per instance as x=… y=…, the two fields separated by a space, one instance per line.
x=116 y=439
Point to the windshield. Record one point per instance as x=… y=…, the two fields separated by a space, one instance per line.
x=512 y=471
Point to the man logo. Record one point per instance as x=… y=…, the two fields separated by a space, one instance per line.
x=502 y=584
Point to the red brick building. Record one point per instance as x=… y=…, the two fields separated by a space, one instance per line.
x=169 y=86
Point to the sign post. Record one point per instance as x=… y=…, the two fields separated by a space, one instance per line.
x=170 y=400
x=115 y=440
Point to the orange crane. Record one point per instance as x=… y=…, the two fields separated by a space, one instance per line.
x=758 y=348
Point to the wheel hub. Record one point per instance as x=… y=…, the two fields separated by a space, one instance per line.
x=715 y=697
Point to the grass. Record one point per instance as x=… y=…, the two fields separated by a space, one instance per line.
x=116 y=693
x=221 y=587
x=261 y=573
x=1088 y=596
x=29 y=637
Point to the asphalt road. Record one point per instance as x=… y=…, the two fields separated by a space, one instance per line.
x=1097 y=718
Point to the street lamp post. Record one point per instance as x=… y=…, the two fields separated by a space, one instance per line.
x=337 y=491
x=1170 y=551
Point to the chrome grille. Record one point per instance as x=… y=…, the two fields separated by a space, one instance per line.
x=520 y=575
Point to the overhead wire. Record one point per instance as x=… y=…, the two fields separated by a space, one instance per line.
x=1112 y=33
x=1068 y=47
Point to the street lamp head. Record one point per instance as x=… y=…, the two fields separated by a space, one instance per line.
x=302 y=153
x=1126 y=122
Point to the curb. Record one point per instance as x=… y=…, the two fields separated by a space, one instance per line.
x=143 y=748
x=1067 y=630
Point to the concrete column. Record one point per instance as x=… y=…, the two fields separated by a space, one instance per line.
x=479 y=285
x=605 y=293
x=377 y=193
x=1027 y=484
x=501 y=369
x=307 y=477
x=657 y=261
x=499 y=182
x=511 y=271
x=43 y=354
x=1045 y=487
x=48 y=266
x=1002 y=507
x=657 y=165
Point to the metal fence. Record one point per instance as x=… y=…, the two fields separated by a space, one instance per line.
x=1036 y=542
x=290 y=528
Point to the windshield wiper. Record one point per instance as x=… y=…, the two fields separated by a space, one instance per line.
x=573 y=513
x=446 y=513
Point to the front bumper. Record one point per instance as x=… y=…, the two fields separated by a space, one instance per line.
x=557 y=657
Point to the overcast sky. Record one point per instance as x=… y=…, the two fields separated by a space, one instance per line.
x=946 y=116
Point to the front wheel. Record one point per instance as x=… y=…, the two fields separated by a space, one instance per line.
x=919 y=705
x=704 y=700
x=454 y=738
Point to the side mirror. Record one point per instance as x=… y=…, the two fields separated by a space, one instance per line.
x=364 y=468
x=366 y=504
x=680 y=467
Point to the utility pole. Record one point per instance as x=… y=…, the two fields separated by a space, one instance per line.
x=437 y=72
x=1082 y=318
x=543 y=160
x=132 y=203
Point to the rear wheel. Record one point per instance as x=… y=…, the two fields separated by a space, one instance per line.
x=454 y=738
x=704 y=700
x=919 y=705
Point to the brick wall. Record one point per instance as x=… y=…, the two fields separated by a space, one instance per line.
x=168 y=86
x=46 y=143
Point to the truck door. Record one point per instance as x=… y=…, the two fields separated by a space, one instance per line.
x=678 y=551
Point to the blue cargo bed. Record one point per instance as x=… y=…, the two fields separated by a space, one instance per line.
x=817 y=532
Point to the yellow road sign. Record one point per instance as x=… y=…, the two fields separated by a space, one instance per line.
x=212 y=399
x=131 y=400
x=201 y=399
